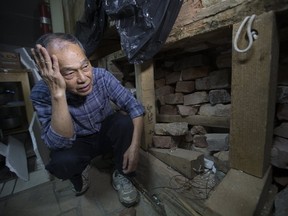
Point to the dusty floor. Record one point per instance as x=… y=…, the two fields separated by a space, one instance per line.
x=55 y=198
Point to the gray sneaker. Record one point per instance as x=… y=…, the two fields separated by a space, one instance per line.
x=85 y=180
x=127 y=193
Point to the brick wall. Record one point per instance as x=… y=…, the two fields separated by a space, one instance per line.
x=193 y=84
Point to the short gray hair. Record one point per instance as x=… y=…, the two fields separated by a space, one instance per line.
x=48 y=38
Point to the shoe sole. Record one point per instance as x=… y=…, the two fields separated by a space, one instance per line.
x=128 y=205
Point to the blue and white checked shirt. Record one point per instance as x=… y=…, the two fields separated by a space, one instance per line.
x=87 y=112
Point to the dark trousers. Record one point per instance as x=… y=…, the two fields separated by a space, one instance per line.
x=115 y=135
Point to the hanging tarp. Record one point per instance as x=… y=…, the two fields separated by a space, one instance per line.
x=90 y=29
x=143 y=25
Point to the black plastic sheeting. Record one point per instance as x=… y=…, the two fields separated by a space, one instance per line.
x=90 y=29
x=143 y=25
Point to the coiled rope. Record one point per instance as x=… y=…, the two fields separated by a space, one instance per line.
x=252 y=35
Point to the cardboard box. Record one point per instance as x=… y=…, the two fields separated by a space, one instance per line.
x=10 y=60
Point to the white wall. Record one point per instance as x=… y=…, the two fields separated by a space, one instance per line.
x=57 y=16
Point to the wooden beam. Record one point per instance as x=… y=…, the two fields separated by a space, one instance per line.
x=254 y=82
x=144 y=74
x=239 y=194
x=186 y=162
x=196 y=21
x=155 y=177
x=191 y=22
x=209 y=121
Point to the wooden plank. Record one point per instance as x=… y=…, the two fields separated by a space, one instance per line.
x=186 y=162
x=239 y=194
x=205 y=20
x=209 y=121
x=146 y=94
x=254 y=82
x=193 y=21
x=156 y=177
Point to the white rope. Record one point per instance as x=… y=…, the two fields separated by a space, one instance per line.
x=252 y=35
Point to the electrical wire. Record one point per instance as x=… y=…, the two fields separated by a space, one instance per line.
x=187 y=185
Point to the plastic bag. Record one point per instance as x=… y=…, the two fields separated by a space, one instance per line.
x=90 y=29
x=143 y=25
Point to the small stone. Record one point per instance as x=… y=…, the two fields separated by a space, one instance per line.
x=200 y=141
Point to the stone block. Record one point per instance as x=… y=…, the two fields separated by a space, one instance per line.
x=217 y=141
x=188 y=137
x=216 y=80
x=172 y=78
x=200 y=141
x=195 y=73
x=187 y=110
x=220 y=96
x=173 y=129
x=169 y=110
x=279 y=153
x=282 y=130
x=221 y=160
x=176 y=98
x=160 y=100
x=164 y=90
x=281 y=207
x=282 y=94
x=198 y=129
x=196 y=98
x=282 y=112
x=166 y=141
x=185 y=86
x=201 y=150
x=219 y=110
x=159 y=83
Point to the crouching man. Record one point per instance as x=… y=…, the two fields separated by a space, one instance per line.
x=73 y=104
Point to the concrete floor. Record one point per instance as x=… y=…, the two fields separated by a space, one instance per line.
x=55 y=198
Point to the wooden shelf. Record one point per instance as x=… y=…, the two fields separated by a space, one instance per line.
x=209 y=121
x=21 y=129
x=20 y=76
x=13 y=104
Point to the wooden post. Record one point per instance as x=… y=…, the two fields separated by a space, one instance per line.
x=146 y=94
x=254 y=82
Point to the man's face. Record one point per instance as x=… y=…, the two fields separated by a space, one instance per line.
x=74 y=67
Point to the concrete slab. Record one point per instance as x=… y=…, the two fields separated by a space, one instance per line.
x=34 y=202
x=56 y=198
x=65 y=196
x=35 y=178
